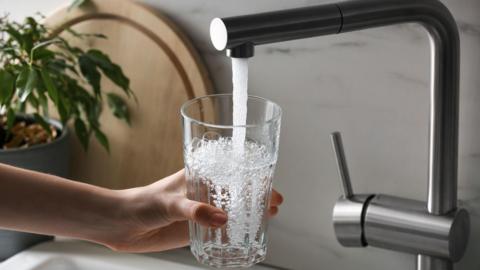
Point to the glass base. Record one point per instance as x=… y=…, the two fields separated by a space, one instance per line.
x=229 y=257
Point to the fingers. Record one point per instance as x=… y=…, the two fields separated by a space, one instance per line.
x=276 y=198
x=205 y=214
x=211 y=216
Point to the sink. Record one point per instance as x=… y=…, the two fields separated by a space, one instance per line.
x=79 y=255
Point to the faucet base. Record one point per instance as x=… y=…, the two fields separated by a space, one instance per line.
x=431 y=263
x=403 y=225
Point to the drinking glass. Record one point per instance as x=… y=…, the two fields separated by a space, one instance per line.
x=237 y=181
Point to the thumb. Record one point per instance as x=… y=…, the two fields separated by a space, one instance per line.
x=205 y=214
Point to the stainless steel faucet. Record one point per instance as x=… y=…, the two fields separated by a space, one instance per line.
x=436 y=230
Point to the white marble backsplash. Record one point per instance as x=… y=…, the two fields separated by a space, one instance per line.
x=372 y=86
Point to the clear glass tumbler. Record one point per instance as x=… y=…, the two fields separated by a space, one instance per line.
x=239 y=182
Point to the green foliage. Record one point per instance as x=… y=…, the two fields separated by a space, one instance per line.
x=77 y=3
x=6 y=86
x=118 y=107
x=26 y=82
x=36 y=67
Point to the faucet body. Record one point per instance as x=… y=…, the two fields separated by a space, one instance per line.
x=436 y=230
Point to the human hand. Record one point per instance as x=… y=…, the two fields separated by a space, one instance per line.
x=155 y=216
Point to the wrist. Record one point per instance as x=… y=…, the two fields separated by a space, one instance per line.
x=132 y=212
x=111 y=221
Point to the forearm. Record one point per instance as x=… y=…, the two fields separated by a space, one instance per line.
x=42 y=203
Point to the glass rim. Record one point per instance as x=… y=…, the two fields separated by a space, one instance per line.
x=187 y=103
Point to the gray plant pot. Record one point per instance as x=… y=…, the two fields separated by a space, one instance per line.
x=52 y=158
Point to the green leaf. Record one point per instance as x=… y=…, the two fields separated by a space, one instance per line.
x=111 y=70
x=28 y=41
x=46 y=43
x=40 y=120
x=10 y=118
x=41 y=45
x=115 y=74
x=77 y=3
x=99 y=58
x=40 y=15
x=14 y=34
x=63 y=112
x=34 y=28
x=42 y=99
x=118 y=107
x=82 y=133
x=97 y=35
x=43 y=54
x=90 y=72
x=93 y=110
x=82 y=35
x=33 y=101
x=26 y=82
x=74 y=33
x=51 y=89
x=6 y=86
x=20 y=107
x=59 y=66
x=32 y=22
x=102 y=139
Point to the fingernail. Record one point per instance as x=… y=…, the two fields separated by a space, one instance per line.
x=273 y=211
x=218 y=219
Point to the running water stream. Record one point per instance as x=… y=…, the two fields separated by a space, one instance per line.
x=240 y=96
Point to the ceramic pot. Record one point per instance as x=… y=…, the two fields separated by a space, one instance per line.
x=52 y=158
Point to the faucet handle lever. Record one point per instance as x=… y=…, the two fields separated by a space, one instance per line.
x=342 y=163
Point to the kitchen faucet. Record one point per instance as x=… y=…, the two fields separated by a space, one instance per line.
x=436 y=230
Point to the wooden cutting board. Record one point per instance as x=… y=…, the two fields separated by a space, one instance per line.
x=165 y=71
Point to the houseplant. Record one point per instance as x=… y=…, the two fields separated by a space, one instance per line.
x=39 y=71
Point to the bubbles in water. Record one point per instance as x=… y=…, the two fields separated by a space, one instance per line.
x=239 y=184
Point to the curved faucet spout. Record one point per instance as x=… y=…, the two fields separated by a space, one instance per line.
x=238 y=35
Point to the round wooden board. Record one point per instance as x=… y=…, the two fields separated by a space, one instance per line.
x=164 y=70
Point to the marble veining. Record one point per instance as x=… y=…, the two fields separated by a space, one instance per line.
x=350 y=44
x=410 y=79
x=287 y=50
x=469 y=28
